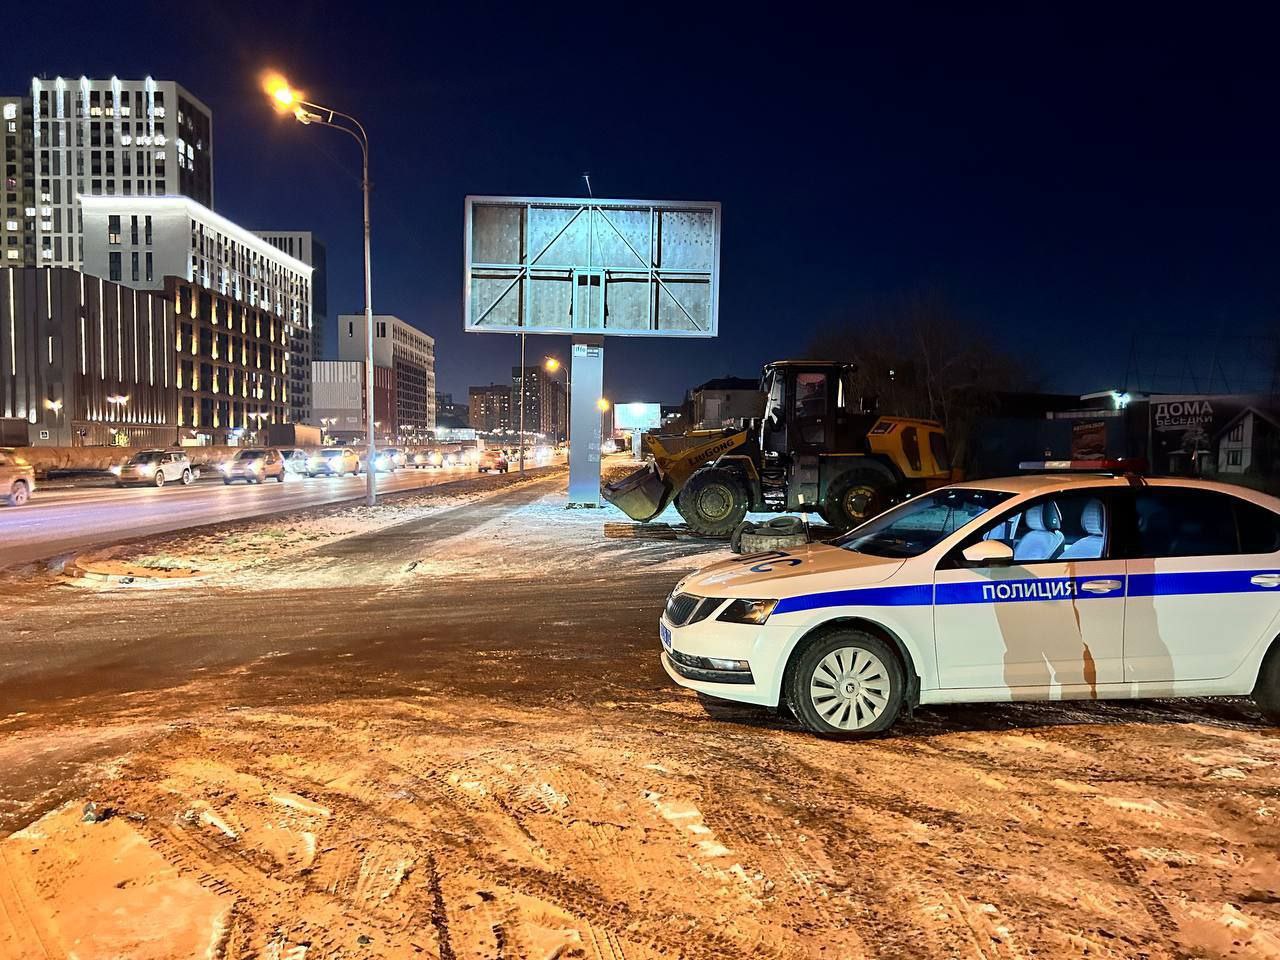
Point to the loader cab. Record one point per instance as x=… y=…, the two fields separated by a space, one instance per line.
x=811 y=408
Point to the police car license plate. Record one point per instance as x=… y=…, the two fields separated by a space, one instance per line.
x=666 y=637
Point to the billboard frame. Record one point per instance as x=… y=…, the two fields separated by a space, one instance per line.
x=525 y=270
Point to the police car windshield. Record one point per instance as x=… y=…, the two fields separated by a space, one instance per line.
x=921 y=523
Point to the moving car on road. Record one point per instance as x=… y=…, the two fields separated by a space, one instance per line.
x=386 y=460
x=492 y=459
x=253 y=465
x=17 y=478
x=155 y=467
x=333 y=462
x=295 y=460
x=1024 y=588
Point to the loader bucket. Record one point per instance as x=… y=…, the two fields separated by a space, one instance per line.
x=642 y=495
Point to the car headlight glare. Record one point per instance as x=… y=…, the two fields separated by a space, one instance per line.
x=117 y=469
x=748 y=611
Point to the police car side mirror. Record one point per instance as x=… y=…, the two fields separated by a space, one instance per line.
x=988 y=553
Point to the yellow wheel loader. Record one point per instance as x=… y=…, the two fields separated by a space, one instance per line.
x=815 y=450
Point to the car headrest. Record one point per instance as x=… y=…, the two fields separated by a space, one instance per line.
x=1092 y=518
x=1044 y=516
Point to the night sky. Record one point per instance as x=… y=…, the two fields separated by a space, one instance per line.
x=1068 y=179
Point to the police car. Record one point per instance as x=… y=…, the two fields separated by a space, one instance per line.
x=1041 y=587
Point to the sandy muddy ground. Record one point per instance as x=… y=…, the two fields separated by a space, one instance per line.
x=448 y=735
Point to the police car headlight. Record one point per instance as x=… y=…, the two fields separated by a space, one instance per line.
x=748 y=611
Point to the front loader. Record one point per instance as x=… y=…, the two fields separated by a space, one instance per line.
x=816 y=449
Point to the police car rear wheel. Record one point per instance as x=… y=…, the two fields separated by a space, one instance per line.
x=1266 y=693
x=847 y=683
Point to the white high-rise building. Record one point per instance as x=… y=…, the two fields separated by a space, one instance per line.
x=410 y=356
x=241 y=302
x=111 y=138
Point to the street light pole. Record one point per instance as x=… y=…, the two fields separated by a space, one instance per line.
x=523 y=377
x=306 y=112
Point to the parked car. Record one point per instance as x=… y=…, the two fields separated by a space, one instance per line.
x=295 y=460
x=17 y=478
x=492 y=459
x=333 y=462
x=255 y=464
x=154 y=467
x=1023 y=588
x=394 y=456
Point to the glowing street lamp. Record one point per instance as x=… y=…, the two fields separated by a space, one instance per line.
x=286 y=99
x=551 y=365
x=602 y=405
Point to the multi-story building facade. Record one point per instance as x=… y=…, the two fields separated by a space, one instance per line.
x=231 y=370
x=303 y=245
x=111 y=138
x=240 y=297
x=544 y=403
x=489 y=410
x=450 y=415
x=410 y=356
x=86 y=361
x=18 y=224
x=337 y=397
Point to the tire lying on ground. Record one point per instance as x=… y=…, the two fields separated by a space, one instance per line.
x=713 y=502
x=778 y=534
x=855 y=498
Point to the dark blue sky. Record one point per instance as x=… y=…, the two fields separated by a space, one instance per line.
x=1069 y=177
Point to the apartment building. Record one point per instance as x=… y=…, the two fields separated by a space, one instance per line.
x=86 y=361
x=109 y=138
x=302 y=245
x=489 y=409
x=410 y=356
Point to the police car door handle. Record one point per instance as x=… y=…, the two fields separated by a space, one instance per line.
x=1266 y=580
x=1100 y=586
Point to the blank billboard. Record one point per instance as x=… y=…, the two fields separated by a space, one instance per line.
x=637 y=416
x=634 y=268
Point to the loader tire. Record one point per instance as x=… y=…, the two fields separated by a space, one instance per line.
x=855 y=498
x=713 y=502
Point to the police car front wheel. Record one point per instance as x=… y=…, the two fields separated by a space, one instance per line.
x=846 y=683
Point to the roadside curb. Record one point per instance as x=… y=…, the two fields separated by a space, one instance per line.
x=130 y=574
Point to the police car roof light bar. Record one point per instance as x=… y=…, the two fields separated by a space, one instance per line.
x=1116 y=466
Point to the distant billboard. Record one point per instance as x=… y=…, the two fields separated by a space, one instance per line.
x=632 y=268
x=637 y=416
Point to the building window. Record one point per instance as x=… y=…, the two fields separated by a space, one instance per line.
x=115 y=265
x=149 y=267
x=134 y=265
x=1237 y=432
x=1235 y=458
x=113 y=229
x=147 y=230
x=133 y=231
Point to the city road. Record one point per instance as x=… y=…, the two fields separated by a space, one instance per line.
x=57 y=520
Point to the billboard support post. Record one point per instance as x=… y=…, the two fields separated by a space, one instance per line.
x=587 y=378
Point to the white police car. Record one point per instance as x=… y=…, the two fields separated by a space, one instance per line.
x=1026 y=588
